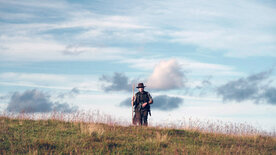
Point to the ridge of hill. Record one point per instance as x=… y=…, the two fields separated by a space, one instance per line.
x=26 y=136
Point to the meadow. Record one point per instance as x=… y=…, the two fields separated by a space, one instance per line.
x=93 y=133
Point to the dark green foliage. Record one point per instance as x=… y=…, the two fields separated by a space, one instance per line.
x=52 y=136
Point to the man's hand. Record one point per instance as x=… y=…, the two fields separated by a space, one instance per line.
x=144 y=104
x=132 y=98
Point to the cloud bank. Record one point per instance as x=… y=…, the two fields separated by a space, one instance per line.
x=32 y=101
x=270 y=95
x=167 y=75
x=161 y=102
x=117 y=82
x=255 y=87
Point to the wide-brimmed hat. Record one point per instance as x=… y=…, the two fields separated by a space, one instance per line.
x=140 y=85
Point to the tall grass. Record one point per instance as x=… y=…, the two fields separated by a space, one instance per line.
x=217 y=127
x=93 y=132
x=189 y=123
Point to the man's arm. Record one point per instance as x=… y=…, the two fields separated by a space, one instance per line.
x=149 y=102
x=150 y=99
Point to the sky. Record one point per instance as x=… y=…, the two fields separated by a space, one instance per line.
x=201 y=59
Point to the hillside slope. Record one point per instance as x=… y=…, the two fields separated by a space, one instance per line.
x=53 y=136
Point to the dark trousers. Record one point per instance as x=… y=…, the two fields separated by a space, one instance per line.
x=141 y=117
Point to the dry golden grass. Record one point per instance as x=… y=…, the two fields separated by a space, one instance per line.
x=89 y=128
x=162 y=137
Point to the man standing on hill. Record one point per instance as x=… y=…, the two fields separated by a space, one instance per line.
x=141 y=102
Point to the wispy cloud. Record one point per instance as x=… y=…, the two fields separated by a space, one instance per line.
x=42 y=49
x=236 y=31
x=34 y=40
x=35 y=4
x=40 y=77
x=236 y=44
x=49 y=81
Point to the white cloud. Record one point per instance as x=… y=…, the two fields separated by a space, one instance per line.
x=34 y=48
x=31 y=77
x=32 y=85
x=121 y=22
x=167 y=75
x=235 y=43
x=50 y=81
x=207 y=69
x=146 y=64
x=15 y=16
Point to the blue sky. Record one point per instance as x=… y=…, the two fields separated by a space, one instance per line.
x=218 y=58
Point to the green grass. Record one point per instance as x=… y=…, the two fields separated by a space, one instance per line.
x=24 y=136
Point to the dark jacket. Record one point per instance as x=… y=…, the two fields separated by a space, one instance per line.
x=140 y=98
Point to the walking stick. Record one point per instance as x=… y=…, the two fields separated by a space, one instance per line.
x=132 y=103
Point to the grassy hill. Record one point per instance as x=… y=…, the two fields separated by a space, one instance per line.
x=25 y=136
